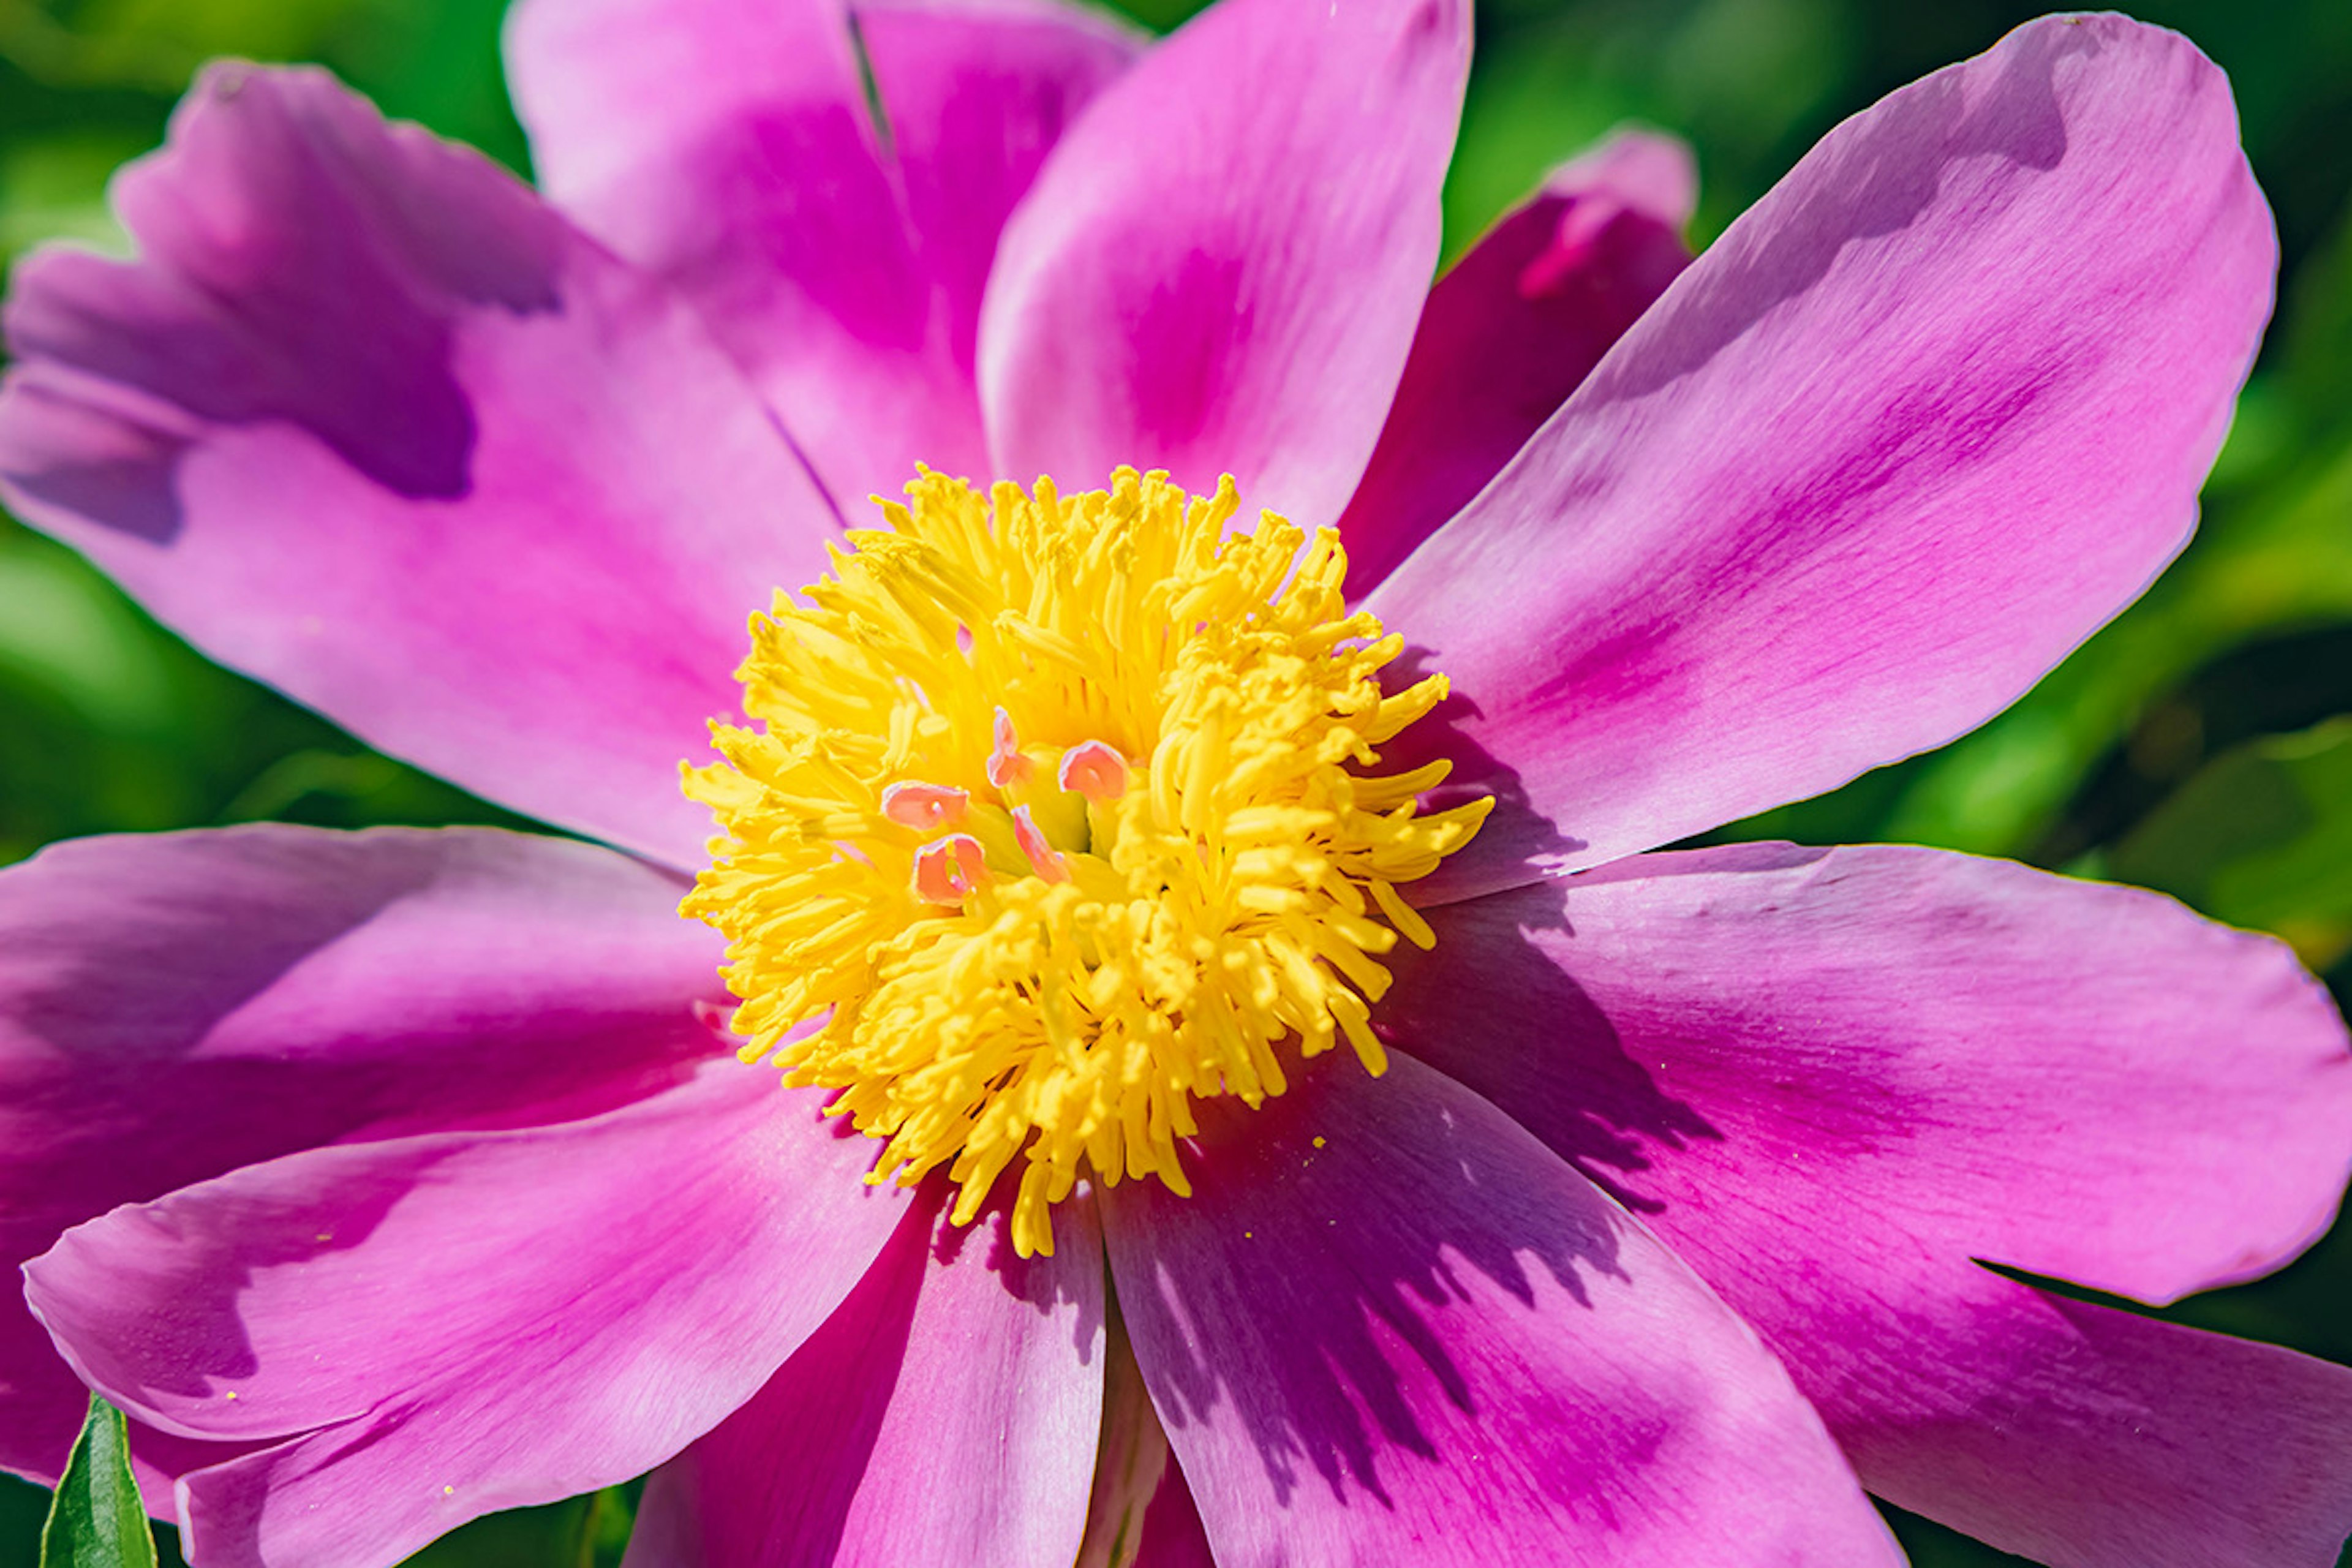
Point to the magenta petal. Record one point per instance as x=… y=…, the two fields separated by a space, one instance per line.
x=176 y=1006
x=1219 y=268
x=727 y=146
x=440 y=1326
x=1389 y=1327
x=1831 y=1080
x=2151 y=1445
x=1173 y=1535
x=369 y=421
x=945 y=1412
x=1933 y=410
x=1511 y=330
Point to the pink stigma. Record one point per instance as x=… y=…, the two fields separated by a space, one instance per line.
x=1043 y=859
x=949 y=871
x=1093 y=769
x=923 y=806
x=1006 y=765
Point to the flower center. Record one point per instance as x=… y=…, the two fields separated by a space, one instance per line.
x=1057 y=813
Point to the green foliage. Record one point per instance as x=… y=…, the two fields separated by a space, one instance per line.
x=109 y=724
x=97 y=1520
x=2261 y=836
x=589 y=1531
x=1741 y=78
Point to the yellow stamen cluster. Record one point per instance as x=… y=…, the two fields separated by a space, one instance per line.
x=1132 y=850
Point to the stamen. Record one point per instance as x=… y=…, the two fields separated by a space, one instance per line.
x=1042 y=991
x=1006 y=765
x=949 y=871
x=1043 y=859
x=924 y=808
x=1094 y=771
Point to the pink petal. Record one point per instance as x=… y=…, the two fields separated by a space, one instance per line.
x=976 y=93
x=176 y=1007
x=726 y=146
x=1510 y=332
x=1173 y=1536
x=1219 y=268
x=1912 y=430
x=436 y=1326
x=2151 y=1445
x=946 y=1413
x=370 y=423
x=1389 y=1327
x=1831 y=1080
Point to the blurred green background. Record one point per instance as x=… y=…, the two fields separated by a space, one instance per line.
x=2201 y=744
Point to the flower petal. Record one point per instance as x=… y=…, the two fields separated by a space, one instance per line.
x=945 y=1412
x=1511 y=330
x=439 y=1326
x=2151 y=1445
x=1173 y=1536
x=1933 y=410
x=727 y=146
x=1219 y=268
x=369 y=421
x=1831 y=1080
x=976 y=93
x=1388 y=1327
x=174 y=1006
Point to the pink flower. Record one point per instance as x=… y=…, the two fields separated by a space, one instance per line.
x=391 y=1178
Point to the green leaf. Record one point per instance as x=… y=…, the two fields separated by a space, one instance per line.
x=2314 y=353
x=98 y=1520
x=2260 y=837
x=53 y=186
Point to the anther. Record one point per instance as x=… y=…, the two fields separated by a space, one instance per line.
x=949 y=871
x=1006 y=765
x=1094 y=771
x=922 y=806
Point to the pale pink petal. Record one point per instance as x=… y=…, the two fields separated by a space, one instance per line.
x=1511 y=330
x=1912 y=430
x=1219 y=268
x=436 y=1326
x=173 y=1008
x=1389 y=1327
x=946 y=1413
x=727 y=145
x=1832 y=1079
x=369 y=421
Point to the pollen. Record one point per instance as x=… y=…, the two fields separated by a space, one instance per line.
x=1052 y=815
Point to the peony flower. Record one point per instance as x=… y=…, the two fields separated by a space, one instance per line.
x=1280 y=1174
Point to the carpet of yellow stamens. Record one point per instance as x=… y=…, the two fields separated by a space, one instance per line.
x=1210 y=893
